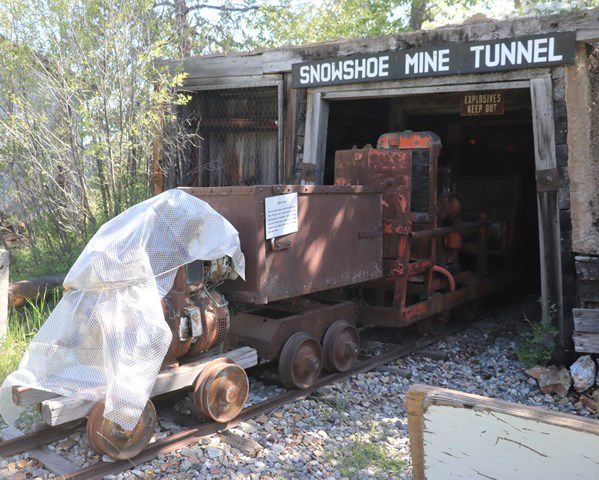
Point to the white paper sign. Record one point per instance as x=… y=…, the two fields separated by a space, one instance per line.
x=280 y=215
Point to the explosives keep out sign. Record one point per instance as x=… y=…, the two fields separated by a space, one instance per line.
x=450 y=59
x=280 y=215
x=482 y=103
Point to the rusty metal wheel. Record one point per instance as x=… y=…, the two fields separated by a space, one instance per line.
x=300 y=362
x=221 y=389
x=108 y=438
x=433 y=326
x=340 y=346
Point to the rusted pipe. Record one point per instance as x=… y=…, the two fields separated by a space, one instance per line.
x=447 y=274
x=440 y=231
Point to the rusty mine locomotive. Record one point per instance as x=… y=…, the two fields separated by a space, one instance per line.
x=386 y=245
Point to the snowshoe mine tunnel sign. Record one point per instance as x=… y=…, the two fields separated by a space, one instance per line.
x=449 y=59
x=482 y=103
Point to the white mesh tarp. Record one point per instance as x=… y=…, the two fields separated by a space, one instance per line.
x=107 y=337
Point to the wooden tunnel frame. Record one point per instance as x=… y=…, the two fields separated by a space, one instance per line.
x=539 y=83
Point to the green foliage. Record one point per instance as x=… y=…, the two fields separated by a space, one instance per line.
x=537 y=345
x=26 y=263
x=363 y=454
x=546 y=7
x=81 y=102
x=288 y=24
x=23 y=324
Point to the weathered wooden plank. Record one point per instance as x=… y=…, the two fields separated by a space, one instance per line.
x=403 y=91
x=30 y=396
x=184 y=375
x=450 y=80
x=587 y=268
x=541 y=91
x=52 y=461
x=480 y=437
x=588 y=291
x=60 y=410
x=223 y=66
x=317 y=117
x=221 y=83
x=543 y=123
x=586 y=320
x=590 y=35
x=280 y=133
x=4 y=267
x=292 y=100
x=586 y=342
x=169 y=378
x=247 y=446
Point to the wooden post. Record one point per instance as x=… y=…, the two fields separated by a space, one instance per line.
x=317 y=118
x=4 y=263
x=541 y=92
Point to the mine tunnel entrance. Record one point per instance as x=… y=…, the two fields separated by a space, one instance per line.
x=490 y=157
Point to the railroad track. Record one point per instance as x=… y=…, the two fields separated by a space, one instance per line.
x=196 y=429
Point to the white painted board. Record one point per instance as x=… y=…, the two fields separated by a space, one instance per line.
x=280 y=215
x=461 y=435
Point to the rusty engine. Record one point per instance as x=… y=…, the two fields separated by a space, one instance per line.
x=196 y=312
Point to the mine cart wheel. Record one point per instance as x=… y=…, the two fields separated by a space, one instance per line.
x=434 y=326
x=221 y=389
x=340 y=346
x=108 y=438
x=300 y=362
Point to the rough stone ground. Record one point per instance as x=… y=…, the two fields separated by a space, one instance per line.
x=352 y=430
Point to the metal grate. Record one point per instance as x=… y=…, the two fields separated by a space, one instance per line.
x=420 y=181
x=239 y=136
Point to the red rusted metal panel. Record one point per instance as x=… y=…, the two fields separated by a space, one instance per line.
x=389 y=170
x=338 y=241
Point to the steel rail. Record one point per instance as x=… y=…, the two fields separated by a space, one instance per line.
x=199 y=429
x=33 y=440
x=182 y=439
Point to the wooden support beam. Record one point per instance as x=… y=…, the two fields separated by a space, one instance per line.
x=315 y=143
x=541 y=91
x=57 y=410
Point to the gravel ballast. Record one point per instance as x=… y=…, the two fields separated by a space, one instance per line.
x=351 y=430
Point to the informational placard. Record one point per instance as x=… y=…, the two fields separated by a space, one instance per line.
x=450 y=59
x=280 y=215
x=482 y=103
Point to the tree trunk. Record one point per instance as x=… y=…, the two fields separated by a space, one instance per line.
x=417 y=14
x=183 y=28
